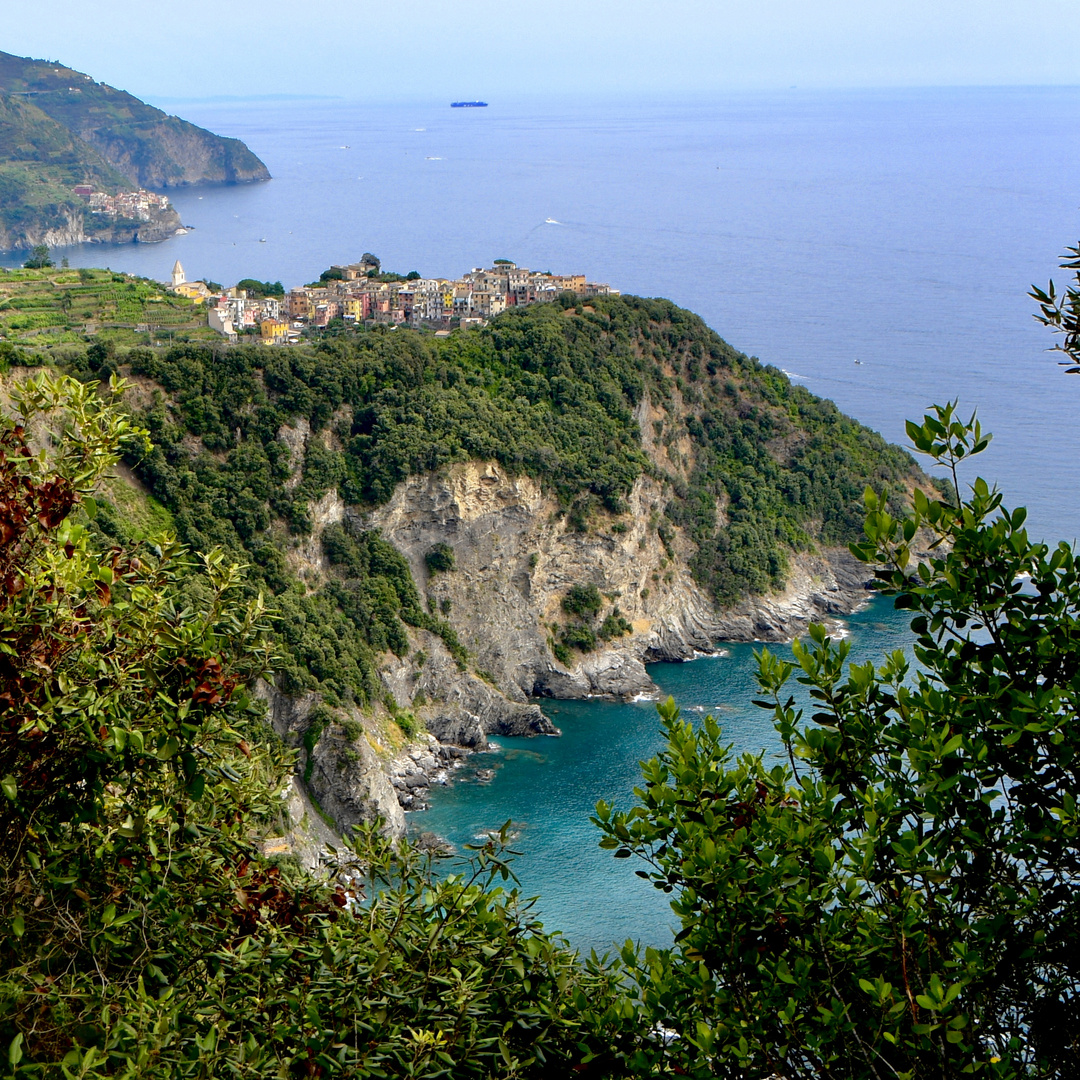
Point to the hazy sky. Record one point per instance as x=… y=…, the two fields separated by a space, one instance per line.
x=490 y=47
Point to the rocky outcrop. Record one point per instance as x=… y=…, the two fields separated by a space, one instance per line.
x=342 y=774
x=464 y=707
x=426 y=763
x=137 y=140
x=170 y=152
x=516 y=558
x=71 y=226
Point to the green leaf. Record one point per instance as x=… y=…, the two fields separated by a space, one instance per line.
x=15 y=1051
x=9 y=787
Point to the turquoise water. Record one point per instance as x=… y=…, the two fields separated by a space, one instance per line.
x=548 y=786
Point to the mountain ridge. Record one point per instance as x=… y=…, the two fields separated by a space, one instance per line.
x=60 y=129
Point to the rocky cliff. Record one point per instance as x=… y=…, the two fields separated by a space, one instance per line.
x=72 y=225
x=455 y=528
x=516 y=558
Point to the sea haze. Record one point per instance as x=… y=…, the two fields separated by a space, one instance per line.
x=901 y=229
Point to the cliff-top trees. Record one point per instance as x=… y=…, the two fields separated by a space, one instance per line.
x=900 y=898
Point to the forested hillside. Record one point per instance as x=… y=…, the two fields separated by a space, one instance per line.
x=59 y=128
x=150 y=148
x=41 y=161
x=755 y=467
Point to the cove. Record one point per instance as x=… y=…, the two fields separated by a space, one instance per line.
x=548 y=786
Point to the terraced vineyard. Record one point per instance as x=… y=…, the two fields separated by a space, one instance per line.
x=60 y=306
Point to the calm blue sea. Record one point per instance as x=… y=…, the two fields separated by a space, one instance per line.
x=811 y=229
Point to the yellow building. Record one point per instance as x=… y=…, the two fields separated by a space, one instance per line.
x=273 y=331
x=193 y=290
x=353 y=308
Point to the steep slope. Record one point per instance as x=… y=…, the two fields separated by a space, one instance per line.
x=40 y=164
x=147 y=146
x=453 y=525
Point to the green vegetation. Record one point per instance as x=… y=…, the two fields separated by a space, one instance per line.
x=259 y=289
x=118 y=135
x=584 y=601
x=57 y=306
x=39 y=258
x=615 y=625
x=142 y=933
x=900 y=897
x=1061 y=311
x=440 y=559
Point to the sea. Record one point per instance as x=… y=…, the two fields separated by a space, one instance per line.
x=877 y=246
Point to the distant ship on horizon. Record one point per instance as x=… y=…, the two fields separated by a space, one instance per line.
x=468 y=104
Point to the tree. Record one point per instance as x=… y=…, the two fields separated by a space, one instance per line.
x=901 y=897
x=1061 y=311
x=259 y=289
x=39 y=258
x=142 y=934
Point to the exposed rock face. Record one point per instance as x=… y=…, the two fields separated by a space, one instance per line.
x=515 y=559
x=465 y=707
x=181 y=154
x=71 y=228
x=426 y=763
x=344 y=774
x=144 y=144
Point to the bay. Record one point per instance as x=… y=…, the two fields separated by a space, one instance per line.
x=547 y=787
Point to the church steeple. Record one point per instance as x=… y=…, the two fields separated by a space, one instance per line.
x=178 y=276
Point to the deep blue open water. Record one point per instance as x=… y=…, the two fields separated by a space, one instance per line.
x=811 y=229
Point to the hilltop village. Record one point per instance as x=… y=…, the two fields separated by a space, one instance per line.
x=359 y=293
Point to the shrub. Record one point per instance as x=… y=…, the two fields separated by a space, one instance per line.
x=614 y=625
x=579 y=636
x=440 y=558
x=584 y=601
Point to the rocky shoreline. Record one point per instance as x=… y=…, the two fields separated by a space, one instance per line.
x=515 y=558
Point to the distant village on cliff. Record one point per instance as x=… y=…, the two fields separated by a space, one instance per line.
x=359 y=293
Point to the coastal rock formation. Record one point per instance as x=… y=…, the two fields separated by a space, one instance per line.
x=60 y=130
x=142 y=143
x=71 y=225
x=341 y=770
x=516 y=558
